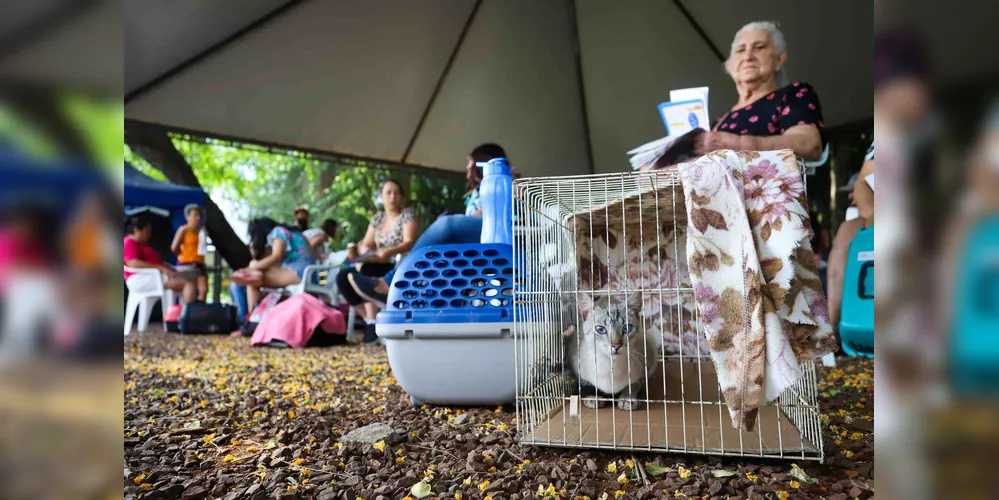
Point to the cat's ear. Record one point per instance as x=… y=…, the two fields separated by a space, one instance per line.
x=585 y=304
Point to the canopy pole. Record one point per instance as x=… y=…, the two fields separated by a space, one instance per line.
x=700 y=31
x=440 y=81
x=578 y=56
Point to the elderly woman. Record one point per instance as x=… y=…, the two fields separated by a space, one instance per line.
x=771 y=113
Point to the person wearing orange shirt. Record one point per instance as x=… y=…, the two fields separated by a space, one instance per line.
x=186 y=243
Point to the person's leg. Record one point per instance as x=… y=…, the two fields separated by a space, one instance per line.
x=279 y=277
x=370 y=312
x=239 y=296
x=187 y=289
x=836 y=267
x=348 y=293
x=451 y=229
x=202 y=287
x=190 y=292
x=252 y=297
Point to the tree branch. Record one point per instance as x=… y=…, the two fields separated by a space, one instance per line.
x=153 y=144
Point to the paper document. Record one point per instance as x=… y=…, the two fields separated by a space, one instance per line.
x=691 y=94
x=684 y=116
x=686 y=111
x=664 y=152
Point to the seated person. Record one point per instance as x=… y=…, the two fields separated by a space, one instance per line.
x=390 y=233
x=186 y=245
x=318 y=237
x=863 y=198
x=771 y=113
x=280 y=256
x=446 y=229
x=301 y=219
x=138 y=254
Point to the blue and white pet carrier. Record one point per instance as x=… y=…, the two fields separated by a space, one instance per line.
x=448 y=325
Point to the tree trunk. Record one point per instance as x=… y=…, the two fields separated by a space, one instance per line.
x=153 y=144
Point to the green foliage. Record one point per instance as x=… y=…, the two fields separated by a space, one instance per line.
x=100 y=123
x=264 y=182
x=142 y=165
x=22 y=135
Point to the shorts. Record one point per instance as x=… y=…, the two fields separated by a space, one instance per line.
x=298 y=266
x=200 y=266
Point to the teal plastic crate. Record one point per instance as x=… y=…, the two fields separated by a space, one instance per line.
x=856 y=324
x=974 y=357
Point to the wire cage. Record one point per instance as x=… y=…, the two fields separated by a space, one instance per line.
x=616 y=243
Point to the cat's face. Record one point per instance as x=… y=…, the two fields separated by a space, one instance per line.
x=610 y=323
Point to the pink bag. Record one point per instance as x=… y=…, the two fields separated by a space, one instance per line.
x=294 y=321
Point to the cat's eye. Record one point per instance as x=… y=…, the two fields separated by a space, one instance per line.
x=601 y=330
x=629 y=328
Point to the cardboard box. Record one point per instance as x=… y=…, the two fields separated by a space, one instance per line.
x=689 y=416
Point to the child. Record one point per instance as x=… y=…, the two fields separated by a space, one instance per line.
x=186 y=245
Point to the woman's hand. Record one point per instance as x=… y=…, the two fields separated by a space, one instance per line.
x=713 y=141
x=351 y=251
x=381 y=256
x=255 y=265
x=166 y=272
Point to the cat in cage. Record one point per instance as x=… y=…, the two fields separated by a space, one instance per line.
x=611 y=355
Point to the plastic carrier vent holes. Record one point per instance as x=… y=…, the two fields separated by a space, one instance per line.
x=456 y=278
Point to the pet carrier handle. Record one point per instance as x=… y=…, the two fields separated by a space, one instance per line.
x=496 y=194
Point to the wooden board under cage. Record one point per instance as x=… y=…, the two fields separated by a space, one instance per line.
x=666 y=423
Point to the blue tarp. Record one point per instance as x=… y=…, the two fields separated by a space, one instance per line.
x=142 y=190
x=59 y=186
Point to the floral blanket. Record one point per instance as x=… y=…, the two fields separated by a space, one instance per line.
x=758 y=292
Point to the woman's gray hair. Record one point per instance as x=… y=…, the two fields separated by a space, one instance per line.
x=776 y=36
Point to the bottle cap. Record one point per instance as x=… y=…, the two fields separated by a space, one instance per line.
x=495 y=166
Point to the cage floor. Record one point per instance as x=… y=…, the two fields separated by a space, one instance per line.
x=699 y=424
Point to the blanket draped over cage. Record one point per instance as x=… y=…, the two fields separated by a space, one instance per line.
x=738 y=239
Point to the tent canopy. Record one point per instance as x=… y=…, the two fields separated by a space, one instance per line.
x=566 y=86
x=141 y=189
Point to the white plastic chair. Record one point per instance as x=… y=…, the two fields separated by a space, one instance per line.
x=811 y=166
x=142 y=301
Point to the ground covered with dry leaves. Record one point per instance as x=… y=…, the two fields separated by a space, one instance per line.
x=211 y=417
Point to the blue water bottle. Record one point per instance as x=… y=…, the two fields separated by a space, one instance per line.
x=496 y=197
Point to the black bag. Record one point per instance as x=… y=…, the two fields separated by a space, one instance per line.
x=201 y=317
